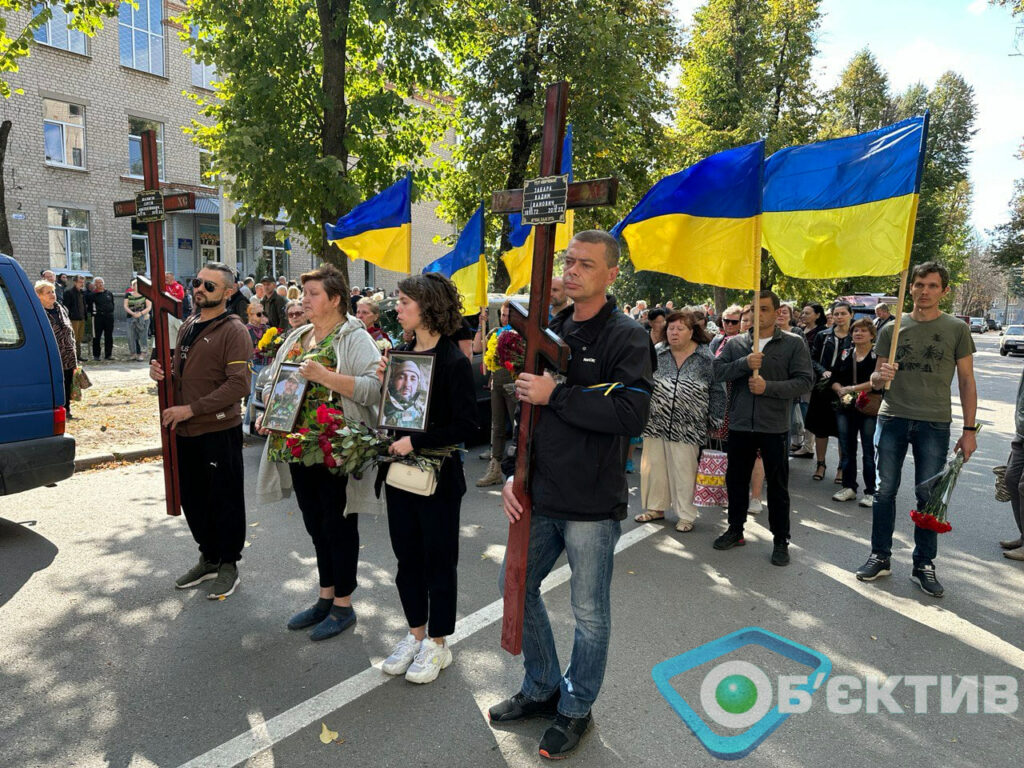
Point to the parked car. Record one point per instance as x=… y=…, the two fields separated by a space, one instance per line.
x=34 y=449
x=1011 y=340
x=993 y=325
x=978 y=325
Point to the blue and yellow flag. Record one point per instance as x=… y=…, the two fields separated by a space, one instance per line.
x=845 y=207
x=466 y=264
x=380 y=229
x=519 y=258
x=702 y=224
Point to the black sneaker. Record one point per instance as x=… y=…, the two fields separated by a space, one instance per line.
x=780 y=553
x=562 y=738
x=520 y=708
x=924 y=577
x=875 y=566
x=729 y=539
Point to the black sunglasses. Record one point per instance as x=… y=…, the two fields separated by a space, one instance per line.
x=260 y=314
x=209 y=285
x=296 y=314
x=727 y=321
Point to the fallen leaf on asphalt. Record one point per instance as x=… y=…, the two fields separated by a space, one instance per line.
x=253 y=525
x=248 y=544
x=631 y=573
x=873 y=637
x=326 y=734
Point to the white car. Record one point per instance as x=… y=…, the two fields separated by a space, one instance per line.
x=1011 y=340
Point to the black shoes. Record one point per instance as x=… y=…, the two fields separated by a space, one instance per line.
x=924 y=577
x=780 y=553
x=520 y=708
x=312 y=615
x=875 y=566
x=729 y=539
x=562 y=738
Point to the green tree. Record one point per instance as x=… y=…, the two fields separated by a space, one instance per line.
x=1008 y=237
x=614 y=54
x=861 y=101
x=320 y=104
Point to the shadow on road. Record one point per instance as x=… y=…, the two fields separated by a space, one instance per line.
x=23 y=552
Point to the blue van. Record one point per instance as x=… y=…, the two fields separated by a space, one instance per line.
x=34 y=450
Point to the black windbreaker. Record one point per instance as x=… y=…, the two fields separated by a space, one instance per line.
x=582 y=436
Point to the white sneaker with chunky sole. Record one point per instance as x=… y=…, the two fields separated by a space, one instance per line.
x=429 y=662
x=401 y=657
x=847 y=494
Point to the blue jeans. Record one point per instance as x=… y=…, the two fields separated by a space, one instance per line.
x=590 y=547
x=852 y=423
x=929 y=441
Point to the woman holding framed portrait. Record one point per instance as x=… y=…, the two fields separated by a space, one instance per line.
x=329 y=360
x=429 y=402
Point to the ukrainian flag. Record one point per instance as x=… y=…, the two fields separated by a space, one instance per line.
x=380 y=229
x=466 y=265
x=702 y=224
x=519 y=258
x=845 y=207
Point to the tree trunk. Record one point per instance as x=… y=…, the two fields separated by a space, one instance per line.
x=6 y=246
x=720 y=300
x=524 y=137
x=334 y=17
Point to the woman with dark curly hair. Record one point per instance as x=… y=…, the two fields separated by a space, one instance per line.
x=425 y=529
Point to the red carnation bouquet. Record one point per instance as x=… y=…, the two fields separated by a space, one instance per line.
x=934 y=515
x=512 y=352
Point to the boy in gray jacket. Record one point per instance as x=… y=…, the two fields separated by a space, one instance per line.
x=759 y=410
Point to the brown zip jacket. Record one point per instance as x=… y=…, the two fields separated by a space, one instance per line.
x=215 y=376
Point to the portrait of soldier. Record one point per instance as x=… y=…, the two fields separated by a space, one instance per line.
x=405 y=406
x=284 y=404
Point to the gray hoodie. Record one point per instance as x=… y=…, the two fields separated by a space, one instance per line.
x=358 y=356
x=787 y=373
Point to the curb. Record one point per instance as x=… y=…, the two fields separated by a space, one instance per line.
x=134 y=454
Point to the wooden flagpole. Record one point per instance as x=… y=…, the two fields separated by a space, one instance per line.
x=899 y=318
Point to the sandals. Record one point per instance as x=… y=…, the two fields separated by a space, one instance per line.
x=819 y=472
x=649 y=517
x=684 y=527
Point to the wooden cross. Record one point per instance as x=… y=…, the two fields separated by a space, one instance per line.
x=542 y=344
x=150 y=206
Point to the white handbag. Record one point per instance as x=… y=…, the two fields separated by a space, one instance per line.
x=412 y=479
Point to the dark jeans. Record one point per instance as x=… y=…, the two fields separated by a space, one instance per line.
x=742 y=453
x=211 y=478
x=321 y=497
x=102 y=324
x=1015 y=478
x=852 y=423
x=425 y=538
x=590 y=548
x=929 y=441
x=69 y=375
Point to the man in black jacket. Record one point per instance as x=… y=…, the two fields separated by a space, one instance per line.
x=74 y=302
x=274 y=304
x=578 y=487
x=101 y=305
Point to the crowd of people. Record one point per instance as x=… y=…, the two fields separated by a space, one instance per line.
x=669 y=383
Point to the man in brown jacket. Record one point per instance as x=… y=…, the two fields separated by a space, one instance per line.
x=210 y=374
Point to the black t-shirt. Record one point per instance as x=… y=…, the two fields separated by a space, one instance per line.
x=842 y=373
x=191 y=335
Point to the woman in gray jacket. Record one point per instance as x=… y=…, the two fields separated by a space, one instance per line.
x=339 y=359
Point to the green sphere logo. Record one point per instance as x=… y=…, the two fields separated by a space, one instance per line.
x=736 y=694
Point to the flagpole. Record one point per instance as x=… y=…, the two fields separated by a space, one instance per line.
x=755 y=307
x=896 y=322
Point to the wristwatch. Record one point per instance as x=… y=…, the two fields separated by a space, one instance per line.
x=971 y=429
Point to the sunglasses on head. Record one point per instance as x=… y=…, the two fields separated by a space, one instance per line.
x=209 y=285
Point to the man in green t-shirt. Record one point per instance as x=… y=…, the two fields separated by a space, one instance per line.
x=916 y=413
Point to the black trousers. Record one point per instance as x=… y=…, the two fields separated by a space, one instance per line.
x=742 y=452
x=425 y=538
x=102 y=324
x=211 y=479
x=69 y=378
x=321 y=497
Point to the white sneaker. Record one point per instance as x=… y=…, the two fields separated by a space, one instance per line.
x=400 y=659
x=755 y=507
x=847 y=494
x=867 y=500
x=429 y=662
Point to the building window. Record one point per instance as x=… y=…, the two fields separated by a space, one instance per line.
x=142 y=35
x=69 y=238
x=55 y=31
x=206 y=173
x=275 y=254
x=136 y=125
x=203 y=75
x=64 y=133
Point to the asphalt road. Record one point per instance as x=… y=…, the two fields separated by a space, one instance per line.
x=104 y=663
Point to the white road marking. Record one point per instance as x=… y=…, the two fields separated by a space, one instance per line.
x=266 y=734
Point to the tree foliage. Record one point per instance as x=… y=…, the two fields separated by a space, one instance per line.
x=861 y=101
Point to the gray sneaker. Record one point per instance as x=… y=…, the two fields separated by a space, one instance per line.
x=202 y=571
x=225 y=583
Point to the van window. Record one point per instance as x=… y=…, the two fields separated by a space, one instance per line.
x=11 y=334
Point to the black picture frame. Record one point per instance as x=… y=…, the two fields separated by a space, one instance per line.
x=285 y=402
x=400 y=408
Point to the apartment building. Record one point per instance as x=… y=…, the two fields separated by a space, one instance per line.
x=75 y=148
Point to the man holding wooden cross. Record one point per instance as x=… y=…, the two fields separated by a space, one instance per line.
x=578 y=488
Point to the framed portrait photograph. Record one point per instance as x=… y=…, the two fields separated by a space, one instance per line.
x=286 y=396
x=406 y=399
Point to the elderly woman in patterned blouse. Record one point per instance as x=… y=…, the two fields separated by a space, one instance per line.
x=686 y=403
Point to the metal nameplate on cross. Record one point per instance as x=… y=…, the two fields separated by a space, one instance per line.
x=545 y=198
x=151 y=206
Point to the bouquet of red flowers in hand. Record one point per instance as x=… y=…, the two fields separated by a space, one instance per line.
x=933 y=516
x=512 y=352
